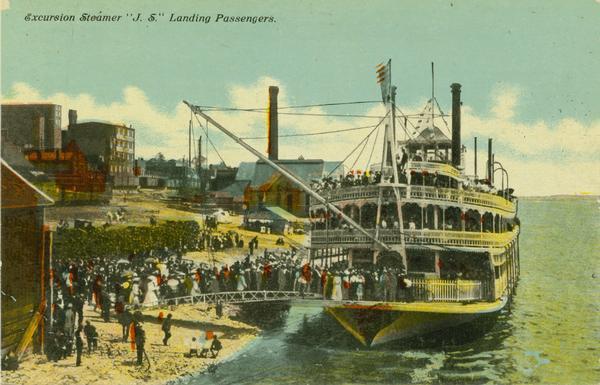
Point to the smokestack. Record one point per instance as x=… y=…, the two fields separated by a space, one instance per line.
x=475 y=153
x=72 y=117
x=490 y=164
x=272 y=125
x=455 y=124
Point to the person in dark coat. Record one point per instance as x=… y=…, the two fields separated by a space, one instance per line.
x=215 y=347
x=140 y=341
x=125 y=319
x=105 y=307
x=166 y=328
x=91 y=336
x=78 y=345
x=219 y=309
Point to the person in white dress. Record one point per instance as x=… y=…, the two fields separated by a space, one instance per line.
x=195 y=287
x=134 y=297
x=151 y=297
x=336 y=293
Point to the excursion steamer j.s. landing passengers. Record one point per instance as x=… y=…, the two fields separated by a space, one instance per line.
x=432 y=246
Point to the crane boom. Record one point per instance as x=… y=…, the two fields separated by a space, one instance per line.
x=289 y=175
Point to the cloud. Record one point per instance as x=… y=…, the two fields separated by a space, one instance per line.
x=542 y=157
x=505 y=101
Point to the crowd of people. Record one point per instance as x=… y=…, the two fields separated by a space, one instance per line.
x=119 y=288
x=352 y=178
x=218 y=241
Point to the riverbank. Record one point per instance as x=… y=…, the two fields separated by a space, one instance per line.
x=115 y=363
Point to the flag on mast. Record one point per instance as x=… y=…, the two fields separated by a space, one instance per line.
x=384 y=78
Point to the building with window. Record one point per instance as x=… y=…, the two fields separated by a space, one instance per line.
x=108 y=147
x=32 y=126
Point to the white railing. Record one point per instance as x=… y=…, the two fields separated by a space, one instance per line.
x=432 y=237
x=446 y=290
x=234 y=297
x=435 y=194
x=432 y=168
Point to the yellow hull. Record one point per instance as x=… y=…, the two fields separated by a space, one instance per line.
x=376 y=324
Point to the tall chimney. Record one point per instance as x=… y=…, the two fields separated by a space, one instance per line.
x=490 y=164
x=455 y=124
x=272 y=125
x=72 y=117
x=475 y=153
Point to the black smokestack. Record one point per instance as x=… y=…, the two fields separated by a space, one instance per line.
x=475 y=151
x=273 y=128
x=490 y=163
x=455 y=124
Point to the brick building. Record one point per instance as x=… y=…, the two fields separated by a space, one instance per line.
x=108 y=147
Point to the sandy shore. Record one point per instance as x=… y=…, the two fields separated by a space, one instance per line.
x=114 y=361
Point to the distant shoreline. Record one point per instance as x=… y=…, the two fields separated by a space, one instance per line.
x=558 y=197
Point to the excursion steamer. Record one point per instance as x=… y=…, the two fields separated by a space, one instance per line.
x=452 y=238
x=449 y=237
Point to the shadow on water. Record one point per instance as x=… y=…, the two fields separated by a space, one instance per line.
x=324 y=332
x=305 y=346
x=267 y=316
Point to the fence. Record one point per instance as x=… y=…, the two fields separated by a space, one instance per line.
x=234 y=297
x=446 y=290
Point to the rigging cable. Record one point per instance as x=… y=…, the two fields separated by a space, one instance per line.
x=217 y=108
x=403 y=126
x=355 y=148
x=361 y=151
x=372 y=149
x=442 y=115
x=210 y=141
x=312 y=133
x=262 y=111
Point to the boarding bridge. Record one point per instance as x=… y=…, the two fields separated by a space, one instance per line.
x=233 y=297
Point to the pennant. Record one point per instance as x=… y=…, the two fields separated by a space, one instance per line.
x=384 y=79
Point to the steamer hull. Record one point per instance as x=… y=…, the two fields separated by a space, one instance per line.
x=374 y=325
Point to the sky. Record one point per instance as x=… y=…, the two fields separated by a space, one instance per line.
x=528 y=69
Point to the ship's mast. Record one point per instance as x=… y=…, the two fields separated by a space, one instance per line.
x=432 y=96
x=289 y=175
x=388 y=93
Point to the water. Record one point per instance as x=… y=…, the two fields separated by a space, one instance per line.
x=548 y=335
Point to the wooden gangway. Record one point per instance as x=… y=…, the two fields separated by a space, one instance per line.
x=235 y=297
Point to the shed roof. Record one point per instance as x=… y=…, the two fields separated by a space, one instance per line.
x=18 y=192
x=259 y=173
x=278 y=211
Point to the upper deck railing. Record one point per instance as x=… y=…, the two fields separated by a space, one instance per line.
x=433 y=167
x=351 y=238
x=438 y=195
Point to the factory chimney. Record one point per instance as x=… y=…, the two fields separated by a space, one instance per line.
x=490 y=164
x=455 y=124
x=272 y=125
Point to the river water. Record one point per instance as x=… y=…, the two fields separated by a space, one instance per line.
x=549 y=334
